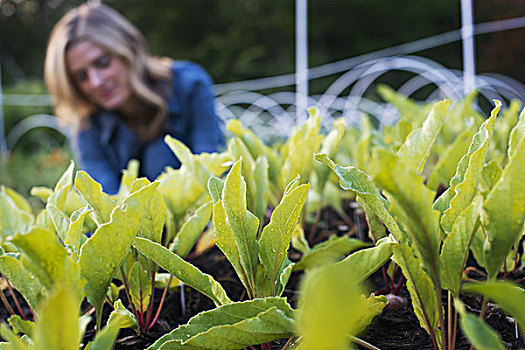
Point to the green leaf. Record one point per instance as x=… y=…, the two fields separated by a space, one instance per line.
x=508 y=296
x=373 y=306
x=276 y=236
x=191 y=230
x=254 y=144
x=92 y=193
x=129 y=175
x=105 y=339
x=421 y=288
x=242 y=223
x=331 y=250
x=215 y=186
x=448 y=160
x=183 y=270
x=180 y=190
x=376 y=228
x=149 y=203
x=19 y=200
x=468 y=174
x=479 y=334
x=58 y=325
x=489 y=177
x=139 y=287
x=226 y=242
x=408 y=109
x=21 y=326
x=411 y=204
x=12 y=219
x=123 y=316
x=15 y=343
x=517 y=134
x=103 y=253
x=299 y=242
x=330 y=308
x=60 y=220
x=416 y=148
x=233 y=326
x=455 y=250
x=41 y=192
x=74 y=231
x=353 y=179
x=260 y=182
x=23 y=280
x=62 y=187
x=186 y=158
x=331 y=144
x=44 y=254
x=363 y=263
x=301 y=146
x=505 y=211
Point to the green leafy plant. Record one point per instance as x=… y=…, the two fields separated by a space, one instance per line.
x=435 y=236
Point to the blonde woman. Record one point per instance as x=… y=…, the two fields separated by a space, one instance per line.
x=120 y=101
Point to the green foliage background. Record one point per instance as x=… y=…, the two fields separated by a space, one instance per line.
x=244 y=39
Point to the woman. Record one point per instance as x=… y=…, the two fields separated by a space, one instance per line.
x=121 y=101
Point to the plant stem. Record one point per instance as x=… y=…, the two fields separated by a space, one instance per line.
x=362 y=343
x=399 y=284
x=313 y=230
x=149 y=312
x=6 y=303
x=346 y=218
x=126 y=289
x=161 y=303
x=454 y=329
x=288 y=343
x=472 y=268
x=484 y=308
x=449 y=318
x=387 y=282
x=11 y=291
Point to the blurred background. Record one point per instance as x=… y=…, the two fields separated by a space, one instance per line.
x=249 y=41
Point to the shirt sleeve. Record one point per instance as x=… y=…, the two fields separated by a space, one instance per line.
x=205 y=129
x=92 y=158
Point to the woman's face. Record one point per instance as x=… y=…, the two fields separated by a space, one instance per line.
x=103 y=79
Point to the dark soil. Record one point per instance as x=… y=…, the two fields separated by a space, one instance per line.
x=392 y=329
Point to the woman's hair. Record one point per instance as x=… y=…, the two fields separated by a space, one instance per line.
x=108 y=29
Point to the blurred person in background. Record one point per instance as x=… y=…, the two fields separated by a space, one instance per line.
x=120 y=101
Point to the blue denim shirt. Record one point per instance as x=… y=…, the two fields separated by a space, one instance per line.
x=108 y=145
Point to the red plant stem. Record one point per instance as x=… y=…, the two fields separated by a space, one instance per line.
x=387 y=282
x=6 y=303
x=151 y=301
x=399 y=284
x=266 y=346
x=126 y=289
x=141 y=311
x=161 y=303
x=11 y=291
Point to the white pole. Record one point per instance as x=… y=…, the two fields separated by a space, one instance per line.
x=301 y=60
x=467 y=36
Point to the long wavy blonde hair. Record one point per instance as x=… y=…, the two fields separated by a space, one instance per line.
x=106 y=28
